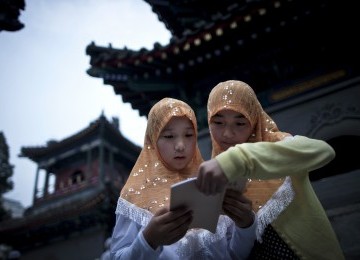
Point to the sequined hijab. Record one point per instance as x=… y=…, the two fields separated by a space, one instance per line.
x=240 y=97
x=148 y=185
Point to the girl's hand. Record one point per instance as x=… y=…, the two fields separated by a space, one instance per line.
x=238 y=208
x=211 y=178
x=167 y=227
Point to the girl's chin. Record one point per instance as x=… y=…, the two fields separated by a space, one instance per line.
x=225 y=147
x=178 y=166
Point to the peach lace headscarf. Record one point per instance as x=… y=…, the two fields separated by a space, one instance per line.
x=148 y=185
x=240 y=97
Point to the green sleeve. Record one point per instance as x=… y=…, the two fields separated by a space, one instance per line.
x=267 y=160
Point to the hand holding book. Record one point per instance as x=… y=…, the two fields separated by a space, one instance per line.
x=206 y=208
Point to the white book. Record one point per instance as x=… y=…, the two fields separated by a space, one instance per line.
x=206 y=208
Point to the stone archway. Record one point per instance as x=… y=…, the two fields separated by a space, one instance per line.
x=345 y=160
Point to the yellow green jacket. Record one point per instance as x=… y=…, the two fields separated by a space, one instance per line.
x=303 y=223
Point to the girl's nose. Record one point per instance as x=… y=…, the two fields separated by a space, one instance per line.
x=228 y=132
x=179 y=146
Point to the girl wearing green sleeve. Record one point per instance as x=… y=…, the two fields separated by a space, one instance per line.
x=247 y=143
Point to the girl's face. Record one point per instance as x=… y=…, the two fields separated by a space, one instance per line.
x=177 y=142
x=229 y=128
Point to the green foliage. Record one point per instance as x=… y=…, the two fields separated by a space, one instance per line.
x=6 y=171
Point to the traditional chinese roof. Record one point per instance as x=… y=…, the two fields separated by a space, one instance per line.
x=90 y=208
x=268 y=44
x=109 y=130
x=9 y=15
x=83 y=207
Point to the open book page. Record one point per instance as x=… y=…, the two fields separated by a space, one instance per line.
x=206 y=208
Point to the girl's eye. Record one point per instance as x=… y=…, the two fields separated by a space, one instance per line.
x=240 y=124
x=189 y=135
x=217 y=122
x=168 y=136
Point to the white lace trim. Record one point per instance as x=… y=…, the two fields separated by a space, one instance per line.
x=273 y=207
x=133 y=212
x=201 y=240
x=195 y=240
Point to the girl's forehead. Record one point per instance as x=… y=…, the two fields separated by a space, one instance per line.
x=229 y=112
x=179 y=118
x=178 y=121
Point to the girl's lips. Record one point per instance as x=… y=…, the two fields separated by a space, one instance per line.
x=227 y=144
x=180 y=157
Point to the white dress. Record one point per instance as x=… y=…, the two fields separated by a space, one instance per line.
x=229 y=241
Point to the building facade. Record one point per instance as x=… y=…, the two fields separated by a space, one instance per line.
x=78 y=181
